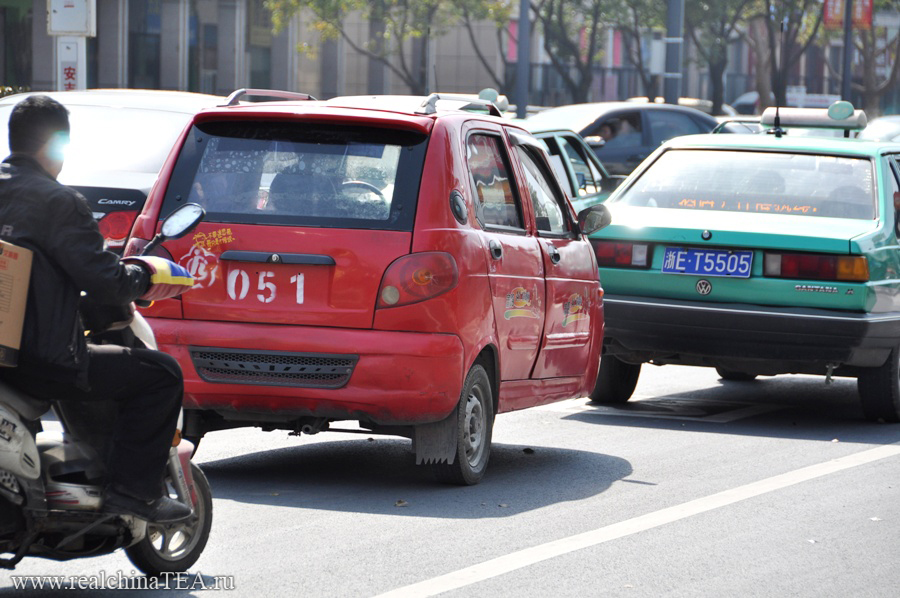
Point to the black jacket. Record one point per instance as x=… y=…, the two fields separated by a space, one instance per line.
x=56 y=223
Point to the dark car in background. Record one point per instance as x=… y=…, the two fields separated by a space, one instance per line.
x=119 y=140
x=622 y=134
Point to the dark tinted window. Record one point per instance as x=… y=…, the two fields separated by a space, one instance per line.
x=300 y=174
x=618 y=132
x=666 y=125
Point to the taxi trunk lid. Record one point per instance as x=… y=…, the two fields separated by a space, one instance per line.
x=660 y=229
x=731 y=229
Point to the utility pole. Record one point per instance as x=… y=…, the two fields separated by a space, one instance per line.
x=848 y=50
x=523 y=62
x=674 y=42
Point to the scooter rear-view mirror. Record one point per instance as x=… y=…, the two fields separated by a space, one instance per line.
x=182 y=221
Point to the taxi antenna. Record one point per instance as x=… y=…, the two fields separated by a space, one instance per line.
x=779 y=62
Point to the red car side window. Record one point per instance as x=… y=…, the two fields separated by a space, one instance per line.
x=493 y=186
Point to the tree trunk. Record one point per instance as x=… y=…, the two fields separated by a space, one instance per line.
x=717 y=80
x=763 y=74
x=582 y=92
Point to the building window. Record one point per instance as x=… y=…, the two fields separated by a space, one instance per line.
x=203 y=46
x=15 y=43
x=259 y=44
x=144 y=43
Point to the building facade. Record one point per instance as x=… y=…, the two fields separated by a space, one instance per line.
x=217 y=46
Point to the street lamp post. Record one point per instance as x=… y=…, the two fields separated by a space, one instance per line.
x=848 y=49
x=523 y=64
x=674 y=43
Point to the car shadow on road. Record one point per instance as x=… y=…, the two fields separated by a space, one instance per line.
x=794 y=407
x=379 y=476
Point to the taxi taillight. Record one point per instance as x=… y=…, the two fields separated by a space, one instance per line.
x=621 y=255
x=810 y=266
x=417 y=277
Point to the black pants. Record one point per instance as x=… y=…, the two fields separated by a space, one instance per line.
x=147 y=386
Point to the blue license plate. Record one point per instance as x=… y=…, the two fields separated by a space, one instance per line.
x=707 y=262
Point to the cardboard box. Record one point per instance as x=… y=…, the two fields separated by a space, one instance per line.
x=15 y=274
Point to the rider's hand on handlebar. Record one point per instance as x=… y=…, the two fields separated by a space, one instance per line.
x=167 y=279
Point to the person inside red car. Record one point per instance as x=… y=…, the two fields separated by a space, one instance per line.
x=55 y=361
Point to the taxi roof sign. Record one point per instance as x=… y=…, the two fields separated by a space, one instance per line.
x=840 y=115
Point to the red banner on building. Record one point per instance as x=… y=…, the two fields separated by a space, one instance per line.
x=834 y=14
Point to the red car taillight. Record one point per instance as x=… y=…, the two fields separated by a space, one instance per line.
x=417 y=277
x=817 y=267
x=622 y=255
x=115 y=227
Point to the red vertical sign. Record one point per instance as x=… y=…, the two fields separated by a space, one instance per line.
x=833 y=17
x=862 y=14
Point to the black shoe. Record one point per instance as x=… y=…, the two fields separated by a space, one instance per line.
x=161 y=510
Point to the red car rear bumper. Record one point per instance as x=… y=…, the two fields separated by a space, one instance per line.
x=399 y=377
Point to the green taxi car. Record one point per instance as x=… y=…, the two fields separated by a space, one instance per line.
x=761 y=254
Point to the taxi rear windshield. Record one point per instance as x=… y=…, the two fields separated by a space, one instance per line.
x=300 y=174
x=757 y=182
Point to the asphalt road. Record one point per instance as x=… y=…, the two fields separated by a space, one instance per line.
x=697 y=487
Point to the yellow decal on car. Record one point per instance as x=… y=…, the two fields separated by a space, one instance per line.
x=574 y=309
x=518 y=304
x=213 y=239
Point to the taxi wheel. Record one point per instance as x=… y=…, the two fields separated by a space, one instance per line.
x=879 y=390
x=616 y=381
x=475 y=420
x=735 y=376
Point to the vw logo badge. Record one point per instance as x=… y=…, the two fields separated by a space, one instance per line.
x=704 y=287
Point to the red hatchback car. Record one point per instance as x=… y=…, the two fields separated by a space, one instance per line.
x=387 y=260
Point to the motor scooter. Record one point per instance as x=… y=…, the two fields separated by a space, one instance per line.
x=51 y=482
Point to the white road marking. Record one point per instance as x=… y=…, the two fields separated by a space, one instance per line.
x=536 y=554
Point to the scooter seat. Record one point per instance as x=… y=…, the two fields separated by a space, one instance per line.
x=28 y=407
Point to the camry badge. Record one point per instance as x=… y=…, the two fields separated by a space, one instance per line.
x=704 y=287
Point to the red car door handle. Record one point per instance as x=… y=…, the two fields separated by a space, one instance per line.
x=266 y=257
x=553 y=252
x=496 y=249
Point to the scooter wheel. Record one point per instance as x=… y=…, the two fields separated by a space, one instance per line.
x=173 y=548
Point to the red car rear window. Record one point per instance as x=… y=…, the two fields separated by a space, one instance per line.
x=300 y=174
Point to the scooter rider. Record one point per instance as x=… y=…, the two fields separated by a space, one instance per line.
x=55 y=361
